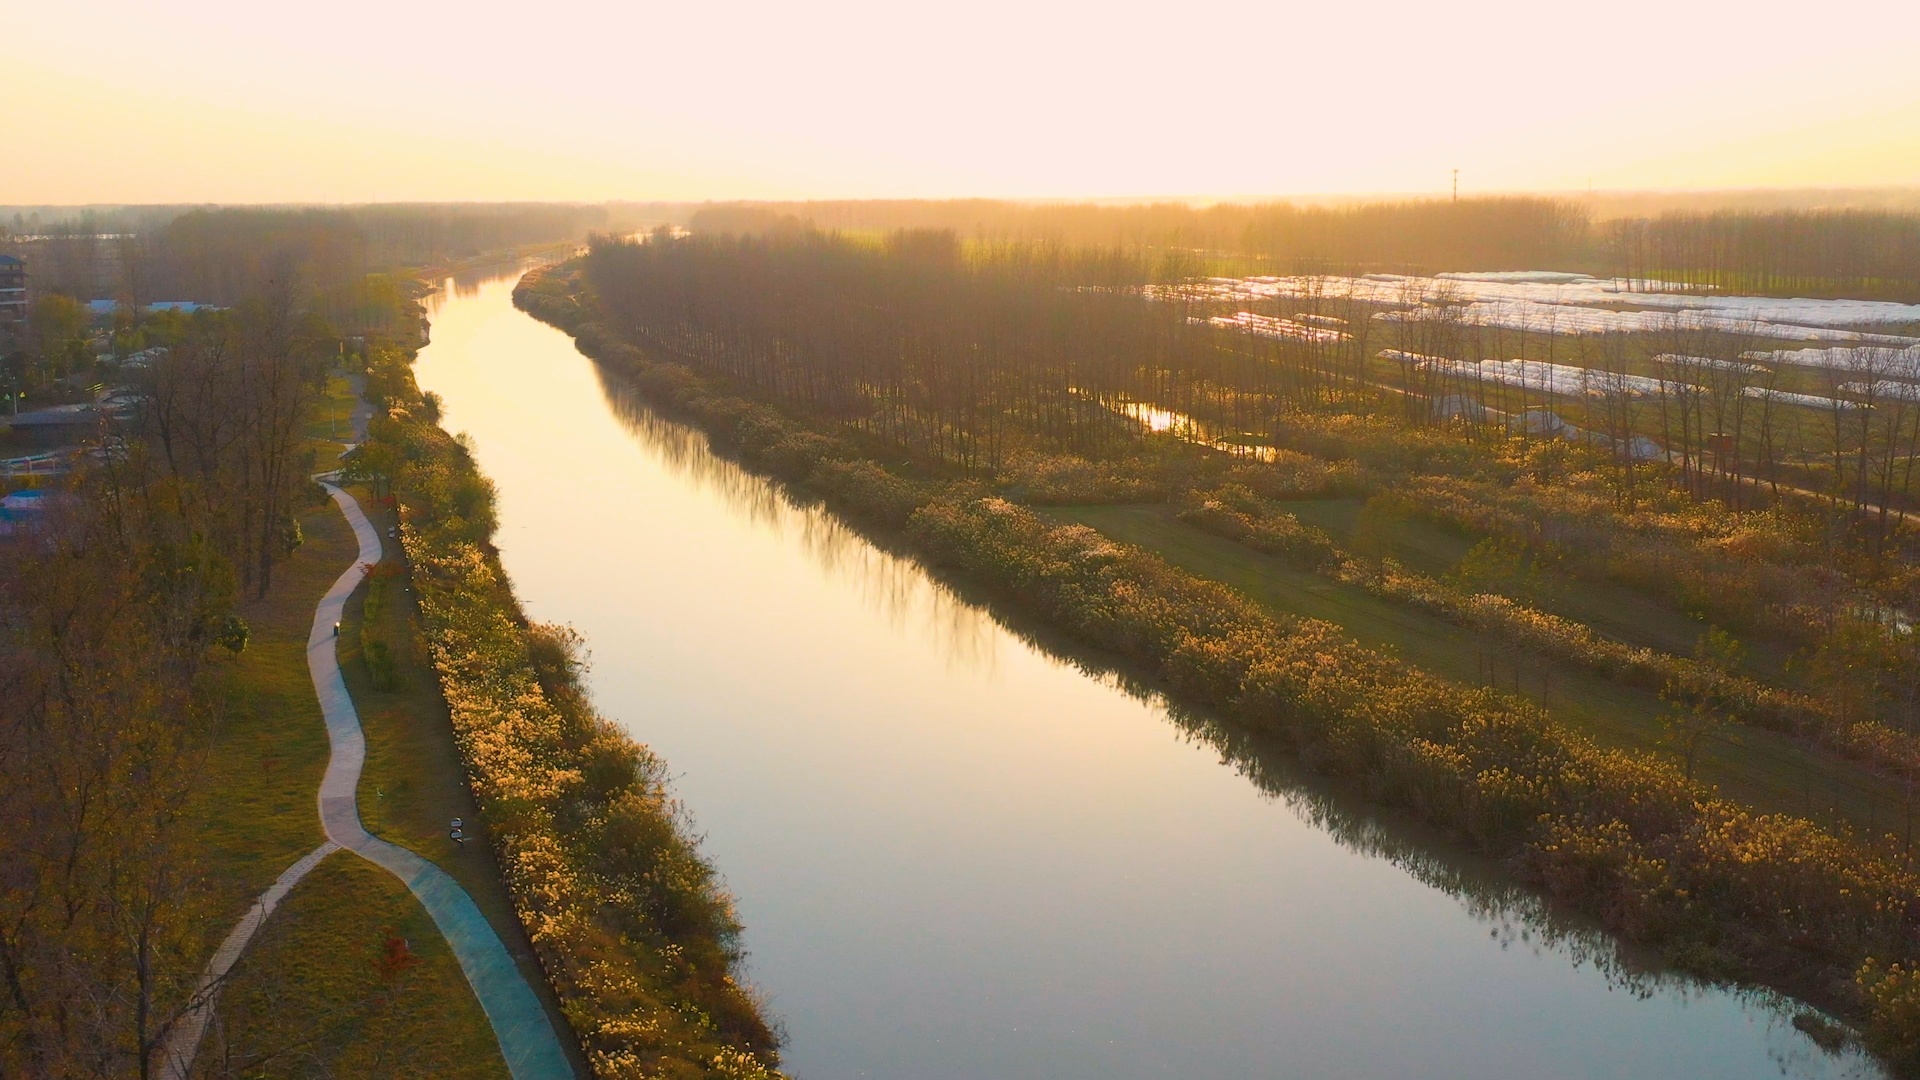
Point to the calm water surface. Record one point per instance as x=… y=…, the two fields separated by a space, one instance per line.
x=959 y=856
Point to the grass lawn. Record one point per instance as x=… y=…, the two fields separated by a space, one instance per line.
x=332 y=424
x=349 y=978
x=1761 y=769
x=414 y=783
x=258 y=811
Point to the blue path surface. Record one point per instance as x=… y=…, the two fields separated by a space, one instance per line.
x=527 y=1039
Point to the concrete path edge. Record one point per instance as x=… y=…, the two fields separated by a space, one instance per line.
x=183 y=1042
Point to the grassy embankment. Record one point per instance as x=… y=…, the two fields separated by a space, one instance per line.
x=1622 y=836
x=318 y=989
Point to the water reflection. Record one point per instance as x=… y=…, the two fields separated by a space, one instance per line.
x=964 y=847
x=895 y=587
x=1516 y=918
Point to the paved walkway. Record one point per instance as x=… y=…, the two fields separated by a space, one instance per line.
x=527 y=1038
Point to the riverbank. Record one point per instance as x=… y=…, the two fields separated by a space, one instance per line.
x=637 y=938
x=1618 y=835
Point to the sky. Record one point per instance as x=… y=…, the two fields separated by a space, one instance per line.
x=118 y=101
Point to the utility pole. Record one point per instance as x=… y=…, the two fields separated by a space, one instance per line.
x=1456 y=185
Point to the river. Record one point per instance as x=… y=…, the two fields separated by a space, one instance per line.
x=959 y=855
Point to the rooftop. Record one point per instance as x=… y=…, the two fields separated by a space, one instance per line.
x=108 y=307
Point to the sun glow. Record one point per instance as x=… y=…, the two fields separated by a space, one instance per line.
x=237 y=102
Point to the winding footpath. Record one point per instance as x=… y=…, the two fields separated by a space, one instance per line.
x=527 y=1039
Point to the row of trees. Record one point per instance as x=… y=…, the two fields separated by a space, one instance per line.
x=106 y=619
x=1485 y=232
x=218 y=255
x=225 y=410
x=1686 y=404
x=968 y=353
x=1863 y=254
x=910 y=343
x=1870 y=253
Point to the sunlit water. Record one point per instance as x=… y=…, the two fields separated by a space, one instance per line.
x=958 y=856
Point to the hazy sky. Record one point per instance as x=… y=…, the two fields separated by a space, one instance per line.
x=354 y=100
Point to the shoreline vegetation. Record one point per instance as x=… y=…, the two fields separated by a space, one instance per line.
x=632 y=928
x=1626 y=838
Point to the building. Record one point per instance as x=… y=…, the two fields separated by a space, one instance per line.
x=102 y=311
x=70 y=425
x=13 y=291
x=22 y=510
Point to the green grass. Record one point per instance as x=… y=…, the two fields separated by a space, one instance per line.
x=319 y=993
x=1766 y=771
x=1611 y=609
x=257 y=811
x=414 y=783
x=256 y=814
x=332 y=422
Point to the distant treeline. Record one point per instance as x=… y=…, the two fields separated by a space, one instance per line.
x=1483 y=233
x=1863 y=254
x=216 y=255
x=1855 y=252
